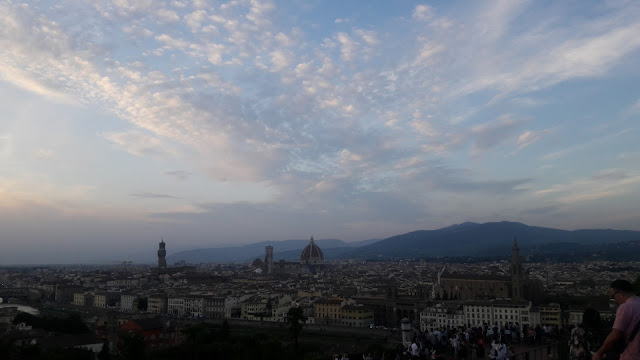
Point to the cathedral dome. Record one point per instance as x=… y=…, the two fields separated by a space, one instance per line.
x=312 y=254
x=257 y=263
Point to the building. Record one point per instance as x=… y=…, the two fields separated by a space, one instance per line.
x=442 y=315
x=122 y=282
x=128 y=302
x=79 y=299
x=157 y=304
x=476 y=313
x=268 y=260
x=328 y=311
x=214 y=307
x=193 y=306
x=100 y=300
x=175 y=306
x=65 y=293
x=311 y=261
x=550 y=314
x=162 y=261
x=233 y=307
x=150 y=329
x=311 y=257
x=254 y=308
x=515 y=286
x=356 y=316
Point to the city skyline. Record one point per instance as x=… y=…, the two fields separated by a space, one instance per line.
x=215 y=124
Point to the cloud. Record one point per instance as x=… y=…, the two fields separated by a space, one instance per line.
x=337 y=118
x=179 y=174
x=167 y=16
x=422 y=12
x=493 y=133
x=607 y=183
x=598 y=140
x=6 y=145
x=516 y=68
x=43 y=154
x=139 y=144
x=195 y=19
x=529 y=138
x=150 y=195
x=634 y=109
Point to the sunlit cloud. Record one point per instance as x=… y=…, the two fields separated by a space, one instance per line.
x=282 y=107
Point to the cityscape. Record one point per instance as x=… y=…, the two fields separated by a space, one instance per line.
x=319 y=179
x=348 y=299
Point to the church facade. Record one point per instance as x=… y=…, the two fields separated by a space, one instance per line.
x=516 y=286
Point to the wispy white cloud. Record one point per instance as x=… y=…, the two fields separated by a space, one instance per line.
x=493 y=133
x=6 y=145
x=634 y=109
x=179 y=174
x=608 y=183
x=150 y=195
x=43 y=154
x=529 y=138
x=422 y=12
x=139 y=144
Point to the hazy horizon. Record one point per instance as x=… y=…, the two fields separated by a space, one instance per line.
x=213 y=123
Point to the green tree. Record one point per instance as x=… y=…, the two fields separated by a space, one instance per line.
x=198 y=334
x=636 y=285
x=142 y=304
x=225 y=331
x=133 y=347
x=296 y=320
x=104 y=354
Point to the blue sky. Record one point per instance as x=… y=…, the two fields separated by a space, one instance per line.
x=216 y=123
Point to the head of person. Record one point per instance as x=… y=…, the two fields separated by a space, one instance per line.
x=591 y=319
x=621 y=290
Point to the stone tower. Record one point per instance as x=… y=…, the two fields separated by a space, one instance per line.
x=162 y=262
x=268 y=259
x=517 y=286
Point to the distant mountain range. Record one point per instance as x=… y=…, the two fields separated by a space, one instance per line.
x=284 y=249
x=467 y=240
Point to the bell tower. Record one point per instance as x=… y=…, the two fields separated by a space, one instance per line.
x=162 y=262
x=517 y=291
x=268 y=259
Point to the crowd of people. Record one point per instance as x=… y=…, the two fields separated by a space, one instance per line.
x=586 y=341
x=480 y=342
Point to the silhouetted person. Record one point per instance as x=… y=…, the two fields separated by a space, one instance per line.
x=587 y=337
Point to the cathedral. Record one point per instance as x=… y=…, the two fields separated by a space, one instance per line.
x=516 y=286
x=311 y=262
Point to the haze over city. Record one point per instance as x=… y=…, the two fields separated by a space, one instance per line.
x=210 y=124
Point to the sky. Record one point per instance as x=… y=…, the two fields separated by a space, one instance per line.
x=210 y=124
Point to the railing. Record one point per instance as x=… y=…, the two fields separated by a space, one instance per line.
x=552 y=351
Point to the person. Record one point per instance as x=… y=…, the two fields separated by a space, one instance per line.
x=414 y=350
x=587 y=337
x=507 y=335
x=626 y=325
x=480 y=348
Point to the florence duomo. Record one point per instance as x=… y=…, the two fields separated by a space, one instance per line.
x=311 y=261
